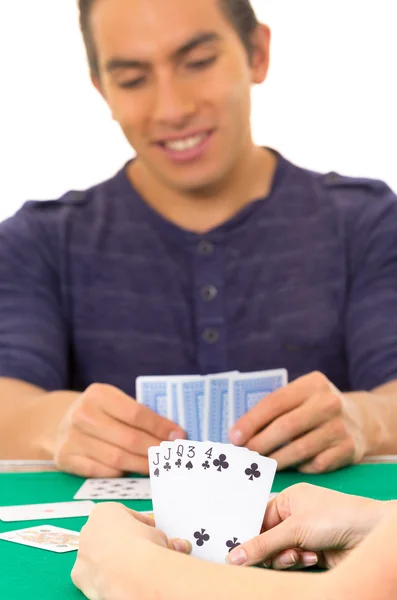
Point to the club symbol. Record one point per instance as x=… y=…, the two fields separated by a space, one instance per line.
x=206 y=465
x=157 y=472
x=221 y=462
x=253 y=472
x=189 y=466
x=231 y=544
x=178 y=463
x=201 y=537
x=167 y=466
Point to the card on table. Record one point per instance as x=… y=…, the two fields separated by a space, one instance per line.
x=214 y=495
x=121 y=488
x=46 y=537
x=53 y=510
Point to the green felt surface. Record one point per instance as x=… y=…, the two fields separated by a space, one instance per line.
x=31 y=574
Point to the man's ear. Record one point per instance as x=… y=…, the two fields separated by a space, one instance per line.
x=260 y=53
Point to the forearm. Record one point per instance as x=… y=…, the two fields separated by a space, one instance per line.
x=370 y=571
x=378 y=414
x=29 y=419
x=160 y=574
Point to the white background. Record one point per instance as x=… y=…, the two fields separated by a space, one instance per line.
x=330 y=102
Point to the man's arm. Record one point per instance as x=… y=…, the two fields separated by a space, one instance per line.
x=29 y=419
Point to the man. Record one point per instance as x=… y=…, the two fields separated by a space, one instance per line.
x=205 y=254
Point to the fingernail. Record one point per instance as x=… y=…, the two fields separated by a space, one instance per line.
x=267 y=563
x=237 y=557
x=288 y=560
x=181 y=546
x=174 y=435
x=236 y=436
x=309 y=560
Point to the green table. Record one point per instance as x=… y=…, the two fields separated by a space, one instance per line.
x=31 y=574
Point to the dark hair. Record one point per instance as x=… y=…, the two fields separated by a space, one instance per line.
x=239 y=12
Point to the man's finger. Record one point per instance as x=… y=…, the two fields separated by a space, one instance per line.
x=110 y=457
x=118 y=434
x=277 y=403
x=331 y=459
x=293 y=424
x=86 y=467
x=308 y=446
x=122 y=407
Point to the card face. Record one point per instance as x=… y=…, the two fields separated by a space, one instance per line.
x=46 y=537
x=214 y=495
x=121 y=488
x=54 y=510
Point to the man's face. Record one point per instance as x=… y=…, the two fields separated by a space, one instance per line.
x=177 y=79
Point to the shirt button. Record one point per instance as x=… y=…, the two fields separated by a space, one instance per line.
x=205 y=248
x=210 y=335
x=209 y=292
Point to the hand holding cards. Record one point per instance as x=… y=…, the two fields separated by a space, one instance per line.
x=214 y=495
x=206 y=407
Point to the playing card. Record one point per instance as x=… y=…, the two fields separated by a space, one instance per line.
x=54 y=510
x=191 y=396
x=152 y=392
x=214 y=495
x=217 y=414
x=46 y=537
x=247 y=389
x=122 y=488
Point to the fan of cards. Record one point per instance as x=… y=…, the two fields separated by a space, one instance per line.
x=212 y=494
x=206 y=407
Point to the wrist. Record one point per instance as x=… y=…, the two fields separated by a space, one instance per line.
x=129 y=573
x=43 y=419
x=367 y=413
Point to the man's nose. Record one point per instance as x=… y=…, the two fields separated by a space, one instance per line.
x=173 y=104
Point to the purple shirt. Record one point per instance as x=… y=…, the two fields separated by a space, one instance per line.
x=98 y=287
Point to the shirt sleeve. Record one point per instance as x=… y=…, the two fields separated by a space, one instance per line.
x=371 y=316
x=33 y=332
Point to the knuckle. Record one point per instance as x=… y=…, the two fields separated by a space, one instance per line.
x=94 y=390
x=80 y=415
x=256 y=548
x=116 y=459
x=301 y=488
x=339 y=429
x=319 y=380
x=320 y=464
x=301 y=450
x=292 y=425
x=131 y=439
x=334 y=402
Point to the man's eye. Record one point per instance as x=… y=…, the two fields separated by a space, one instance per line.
x=201 y=64
x=133 y=83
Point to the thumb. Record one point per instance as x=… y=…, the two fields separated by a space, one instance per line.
x=284 y=536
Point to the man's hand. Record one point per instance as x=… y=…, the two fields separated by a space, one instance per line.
x=106 y=433
x=113 y=534
x=309 y=424
x=306 y=525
